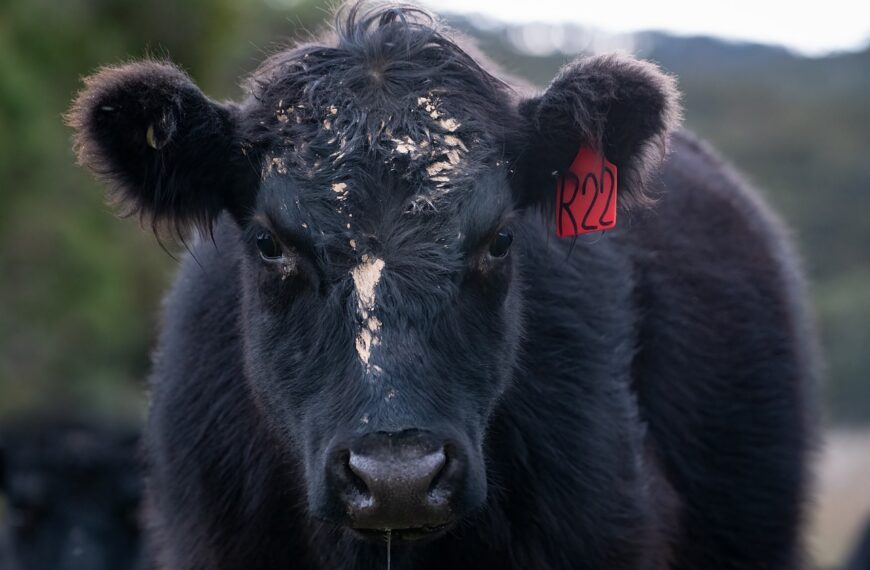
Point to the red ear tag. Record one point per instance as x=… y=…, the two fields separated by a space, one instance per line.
x=586 y=195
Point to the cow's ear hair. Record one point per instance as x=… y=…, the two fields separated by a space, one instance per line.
x=166 y=151
x=623 y=106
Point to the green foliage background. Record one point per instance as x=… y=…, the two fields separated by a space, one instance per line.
x=80 y=289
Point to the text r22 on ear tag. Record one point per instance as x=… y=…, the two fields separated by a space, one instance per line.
x=586 y=195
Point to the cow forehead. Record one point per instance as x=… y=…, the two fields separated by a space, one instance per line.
x=339 y=165
x=355 y=142
x=418 y=138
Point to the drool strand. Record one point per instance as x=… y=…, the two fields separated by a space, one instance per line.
x=389 y=547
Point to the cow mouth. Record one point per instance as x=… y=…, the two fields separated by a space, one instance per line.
x=401 y=534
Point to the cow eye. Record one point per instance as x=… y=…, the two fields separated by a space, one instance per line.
x=268 y=246
x=500 y=246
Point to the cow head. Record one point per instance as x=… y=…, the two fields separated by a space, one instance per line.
x=379 y=183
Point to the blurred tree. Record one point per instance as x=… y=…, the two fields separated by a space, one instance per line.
x=79 y=288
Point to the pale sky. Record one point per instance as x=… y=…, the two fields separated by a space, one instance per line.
x=812 y=28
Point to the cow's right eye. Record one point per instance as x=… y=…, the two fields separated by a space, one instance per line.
x=268 y=246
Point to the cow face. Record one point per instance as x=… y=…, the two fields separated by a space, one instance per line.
x=379 y=182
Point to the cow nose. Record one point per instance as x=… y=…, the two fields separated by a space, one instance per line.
x=398 y=480
x=398 y=487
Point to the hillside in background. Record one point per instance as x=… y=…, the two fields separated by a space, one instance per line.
x=798 y=128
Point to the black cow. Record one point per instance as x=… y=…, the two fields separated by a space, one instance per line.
x=378 y=337
x=72 y=493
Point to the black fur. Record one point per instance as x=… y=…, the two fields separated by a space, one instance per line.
x=72 y=494
x=642 y=400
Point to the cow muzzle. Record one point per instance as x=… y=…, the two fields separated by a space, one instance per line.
x=402 y=482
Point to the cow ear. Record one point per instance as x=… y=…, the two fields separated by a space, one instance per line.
x=616 y=104
x=166 y=151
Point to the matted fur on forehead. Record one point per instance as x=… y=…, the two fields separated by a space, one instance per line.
x=387 y=88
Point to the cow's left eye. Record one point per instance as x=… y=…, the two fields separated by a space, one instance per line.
x=500 y=246
x=268 y=246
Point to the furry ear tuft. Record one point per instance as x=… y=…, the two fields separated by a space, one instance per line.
x=625 y=107
x=167 y=152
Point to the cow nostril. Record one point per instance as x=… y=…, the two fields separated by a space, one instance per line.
x=357 y=483
x=355 y=489
x=440 y=481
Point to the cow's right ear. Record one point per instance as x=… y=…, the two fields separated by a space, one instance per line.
x=167 y=152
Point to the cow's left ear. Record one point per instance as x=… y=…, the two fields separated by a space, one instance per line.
x=622 y=106
x=167 y=152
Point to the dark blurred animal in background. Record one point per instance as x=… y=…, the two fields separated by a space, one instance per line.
x=377 y=337
x=72 y=492
x=860 y=558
